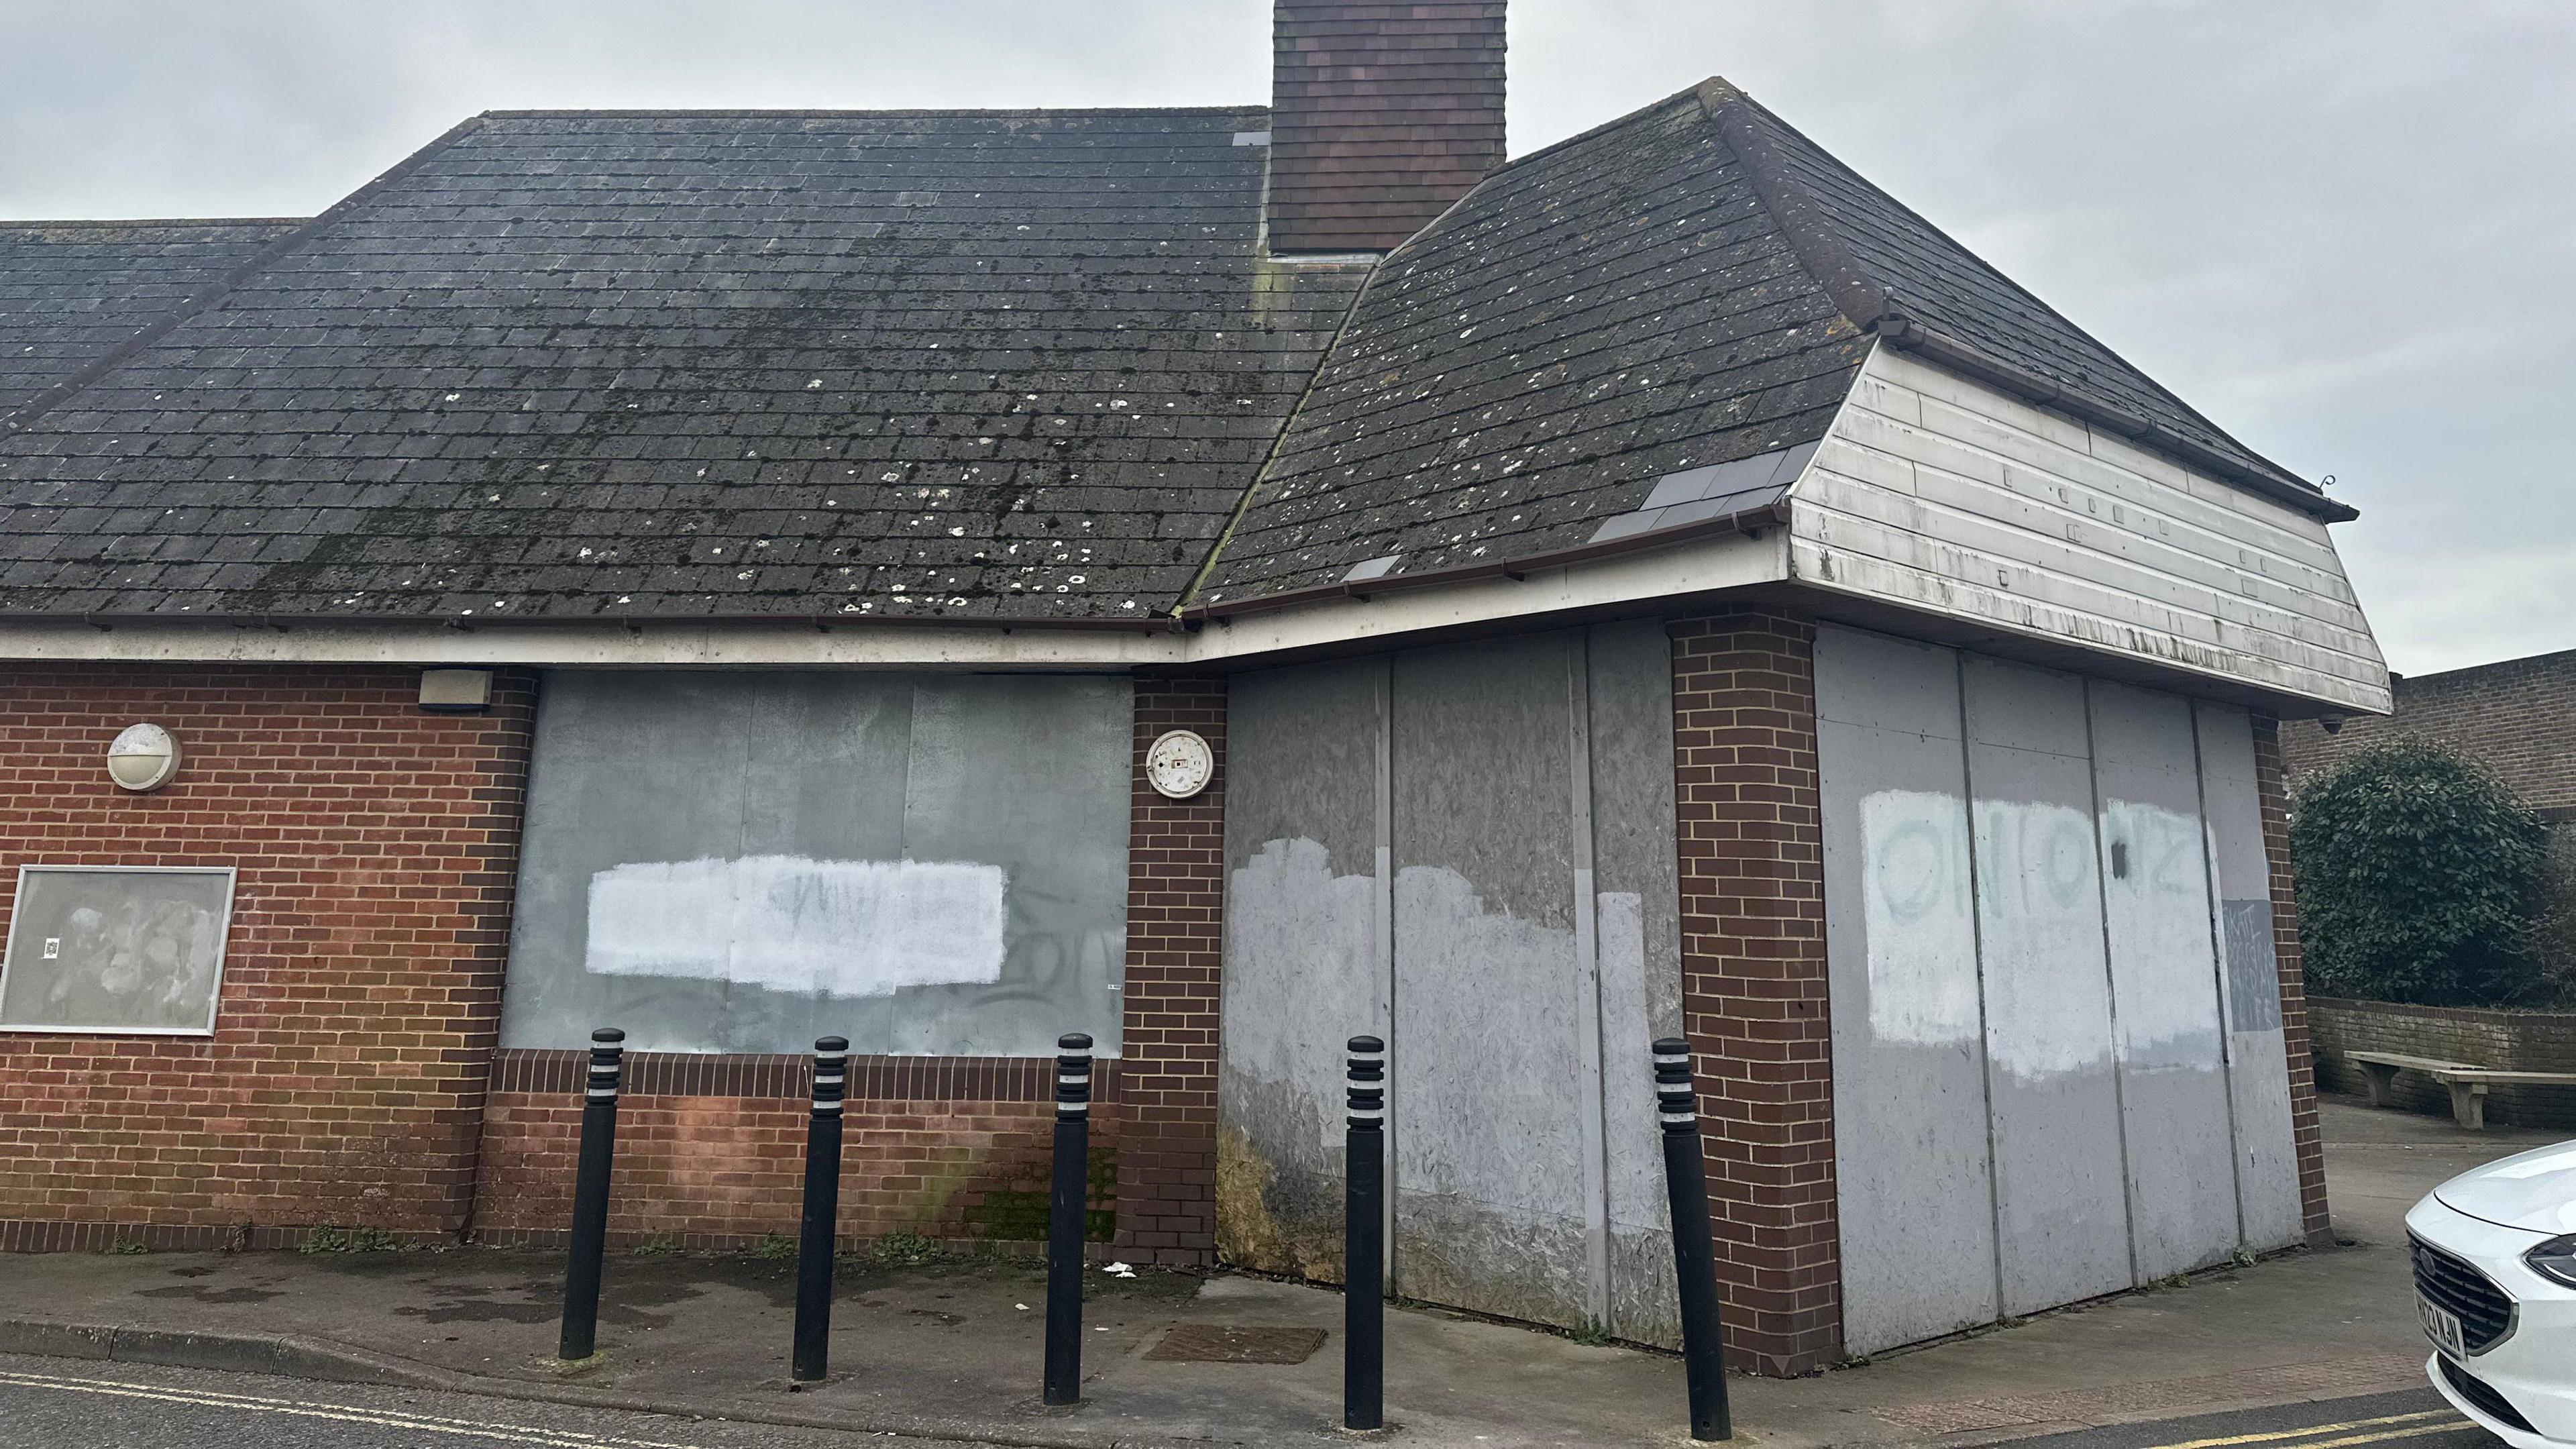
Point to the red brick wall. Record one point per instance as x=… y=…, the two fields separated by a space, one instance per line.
x=376 y=848
x=1753 y=979
x=1175 y=905
x=711 y=1149
x=2518 y=718
x=1382 y=113
x=2306 y=1138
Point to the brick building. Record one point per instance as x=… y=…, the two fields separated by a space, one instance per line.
x=2517 y=717
x=1223 y=580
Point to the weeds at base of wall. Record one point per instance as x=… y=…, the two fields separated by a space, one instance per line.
x=331 y=1239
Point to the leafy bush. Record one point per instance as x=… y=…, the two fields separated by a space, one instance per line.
x=2418 y=880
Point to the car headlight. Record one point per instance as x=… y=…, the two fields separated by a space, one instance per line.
x=2555 y=1260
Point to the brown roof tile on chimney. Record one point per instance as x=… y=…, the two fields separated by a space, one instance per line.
x=1382 y=114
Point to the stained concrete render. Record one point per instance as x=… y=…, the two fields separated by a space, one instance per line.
x=2034 y=1100
x=702 y=850
x=947 y=1350
x=1482 y=835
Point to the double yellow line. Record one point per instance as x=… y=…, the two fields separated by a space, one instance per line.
x=533 y=1434
x=2372 y=1431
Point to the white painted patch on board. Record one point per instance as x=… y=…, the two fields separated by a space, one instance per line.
x=2048 y=1005
x=1300 y=947
x=1922 y=939
x=1628 y=1029
x=846 y=928
x=2156 y=895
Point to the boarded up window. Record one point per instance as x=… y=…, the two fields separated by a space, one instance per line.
x=738 y=862
x=123 y=949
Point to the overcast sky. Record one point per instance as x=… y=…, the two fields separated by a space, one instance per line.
x=2345 y=229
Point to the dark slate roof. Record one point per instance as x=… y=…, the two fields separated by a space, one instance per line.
x=890 y=364
x=1902 y=277
x=72 y=290
x=1590 y=319
x=1641 y=330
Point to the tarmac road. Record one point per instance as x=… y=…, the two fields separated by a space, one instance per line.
x=52 y=1403
x=2416 y=1419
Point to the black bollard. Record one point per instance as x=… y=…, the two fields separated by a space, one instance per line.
x=1364 y=1241
x=819 y=1231
x=590 y=1196
x=1694 y=1255
x=1067 y=1199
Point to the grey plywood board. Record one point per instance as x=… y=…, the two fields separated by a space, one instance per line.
x=1491 y=1212
x=2258 y=1055
x=1639 y=930
x=2061 y=1198
x=1300 y=955
x=2164 y=981
x=1910 y=1145
x=925 y=864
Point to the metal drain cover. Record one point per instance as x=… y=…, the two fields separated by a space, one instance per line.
x=1212 y=1343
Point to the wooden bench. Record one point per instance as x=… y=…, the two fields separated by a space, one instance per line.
x=2467 y=1080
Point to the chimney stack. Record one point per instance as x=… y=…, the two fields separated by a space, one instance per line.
x=1382 y=113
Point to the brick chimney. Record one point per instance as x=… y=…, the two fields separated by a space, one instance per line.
x=1382 y=113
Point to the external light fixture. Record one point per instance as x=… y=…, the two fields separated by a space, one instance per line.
x=143 y=757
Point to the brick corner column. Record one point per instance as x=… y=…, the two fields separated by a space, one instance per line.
x=2305 y=1137
x=1750 y=840
x=1166 y=1079
x=501 y=745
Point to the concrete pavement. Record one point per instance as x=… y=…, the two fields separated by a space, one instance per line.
x=949 y=1350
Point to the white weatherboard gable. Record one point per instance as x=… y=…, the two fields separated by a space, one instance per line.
x=1943 y=495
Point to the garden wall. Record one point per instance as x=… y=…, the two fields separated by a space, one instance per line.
x=2531 y=1041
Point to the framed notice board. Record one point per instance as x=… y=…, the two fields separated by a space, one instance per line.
x=122 y=949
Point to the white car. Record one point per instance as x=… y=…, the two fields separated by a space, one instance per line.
x=2495 y=1283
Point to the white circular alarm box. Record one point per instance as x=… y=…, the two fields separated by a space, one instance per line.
x=1180 y=764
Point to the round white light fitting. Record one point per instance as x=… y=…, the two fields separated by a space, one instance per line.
x=1180 y=764
x=143 y=757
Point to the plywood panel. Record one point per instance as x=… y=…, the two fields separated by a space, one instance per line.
x=775 y=811
x=2258 y=1057
x=1910 y=1143
x=2164 y=981
x=1492 y=1182
x=1301 y=967
x=2062 y=1202
x=1639 y=933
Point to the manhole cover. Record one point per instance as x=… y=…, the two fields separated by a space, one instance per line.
x=1209 y=1343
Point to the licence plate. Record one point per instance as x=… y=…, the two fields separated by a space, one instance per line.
x=2443 y=1327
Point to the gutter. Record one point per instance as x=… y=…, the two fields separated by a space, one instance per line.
x=1747 y=521
x=820 y=623
x=1904 y=333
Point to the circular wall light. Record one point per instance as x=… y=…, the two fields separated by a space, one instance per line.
x=143 y=757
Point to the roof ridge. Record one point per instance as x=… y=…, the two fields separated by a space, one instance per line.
x=1615 y=122
x=1868 y=305
x=32 y=223
x=858 y=113
x=215 y=291
x=1811 y=239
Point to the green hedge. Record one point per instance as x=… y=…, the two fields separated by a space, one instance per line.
x=2419 y=880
